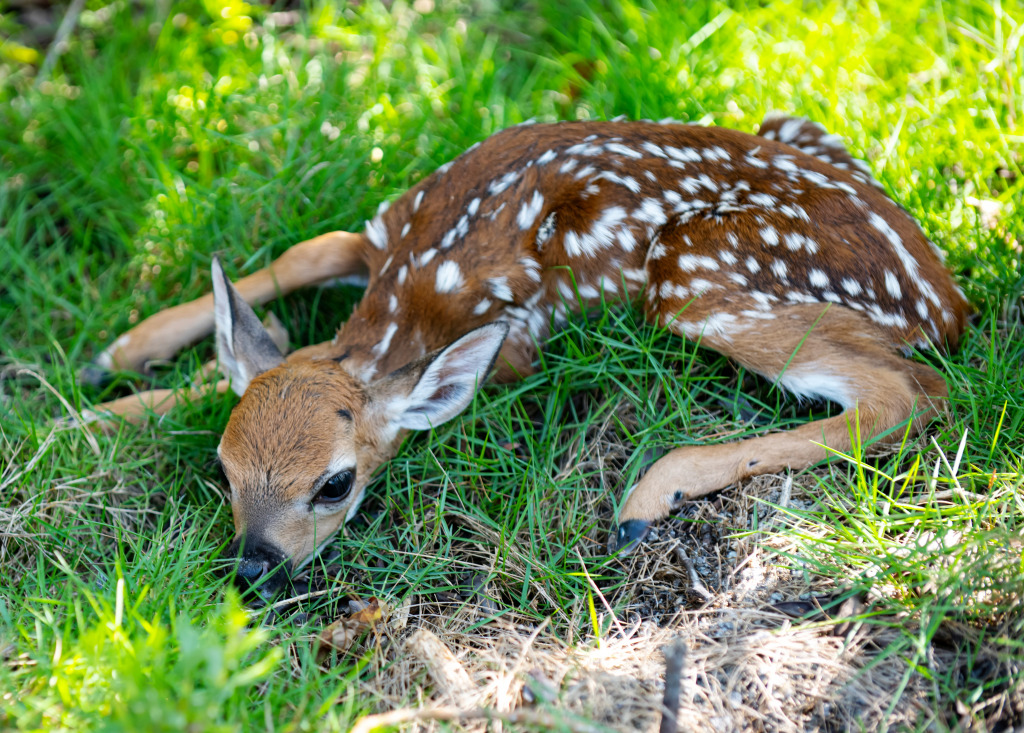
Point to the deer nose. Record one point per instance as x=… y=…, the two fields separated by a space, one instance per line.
x=259 y=567
x=251 y=569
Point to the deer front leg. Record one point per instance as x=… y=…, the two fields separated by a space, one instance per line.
x=162 y=335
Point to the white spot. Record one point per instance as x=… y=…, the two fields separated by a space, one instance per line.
x=568 y=165
x=651 y=212
x=754 y=161
x=690 y=263
x=737 y=278
x=795 y=296
x=601 y=235
x=530 y=211
x=402 y=272
x=716 y=153
x=417 y=201
x=393 y=303
x=790 y=129
x=406 y=228
x=653 y=149
x=627 y=181
x=585 y=172
x=584 y=149
x=383 y=345
x=727 y=257
x=752 y=265
x=449 y=277
x=473 y=207
x=608 y=285
x=779 y=268
x=547 y=157
x=705 y=180
x=922 y=309
x=620 y=149
x=764 y=200
x=701 y=286
x=500 y=289
x=657 y=251
x=690 y=185
x=880 y=317
x=481 y=307
x=531 y=267
x=587 y=292
x=851 y=286
x=377 y=233
x=426 y=257
x=685 y=155
x=770 y=236
x=909 y=263
x=497 y=186
x=764 y=300
x=785 y=163
x=892 y=285
x=817 y=277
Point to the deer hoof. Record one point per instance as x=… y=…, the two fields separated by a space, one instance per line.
x=628 y=535
x=95 y=376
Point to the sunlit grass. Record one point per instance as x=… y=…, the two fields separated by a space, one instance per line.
x=225 y=128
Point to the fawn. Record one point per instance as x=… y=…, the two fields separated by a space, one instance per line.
x=778 y=250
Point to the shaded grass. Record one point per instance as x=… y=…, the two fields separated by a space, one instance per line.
x=216 y=130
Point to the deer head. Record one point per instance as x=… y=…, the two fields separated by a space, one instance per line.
x=307 y=436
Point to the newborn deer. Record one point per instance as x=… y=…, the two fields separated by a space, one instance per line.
x=778 y=250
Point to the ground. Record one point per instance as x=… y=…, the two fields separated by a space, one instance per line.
x=475 y=587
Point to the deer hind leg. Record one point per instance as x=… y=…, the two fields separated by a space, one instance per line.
x=162 y=335
x=821 y=350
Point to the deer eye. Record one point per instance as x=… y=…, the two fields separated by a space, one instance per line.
x=337 y=488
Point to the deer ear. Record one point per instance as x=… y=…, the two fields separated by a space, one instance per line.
x=432 y=390
x=244 y=347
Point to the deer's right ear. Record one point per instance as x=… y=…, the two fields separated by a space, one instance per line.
x=244 y=347
x=434 y=389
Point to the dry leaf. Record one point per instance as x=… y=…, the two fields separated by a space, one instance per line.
x=342 y=634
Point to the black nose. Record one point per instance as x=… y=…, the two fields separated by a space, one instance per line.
x=250 y=569
x=261 y=568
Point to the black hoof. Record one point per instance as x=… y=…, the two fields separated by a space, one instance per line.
x=629 y=534
x=96 y=376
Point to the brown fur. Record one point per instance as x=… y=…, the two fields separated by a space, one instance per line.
x=777 y=250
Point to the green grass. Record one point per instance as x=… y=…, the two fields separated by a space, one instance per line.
x=161 y=140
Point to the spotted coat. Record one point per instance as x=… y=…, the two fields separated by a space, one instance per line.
x=711 y=228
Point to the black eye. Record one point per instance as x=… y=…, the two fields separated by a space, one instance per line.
x=337 y=488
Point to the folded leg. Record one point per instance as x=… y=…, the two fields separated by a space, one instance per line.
x=162 y=335
x=820 y=350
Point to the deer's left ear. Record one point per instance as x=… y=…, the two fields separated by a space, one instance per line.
x=244 y=347
x=432 y=390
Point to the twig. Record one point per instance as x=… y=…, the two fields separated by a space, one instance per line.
x=675 y=658
x=696 y=584
x=59 y=45
x=296 y=599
